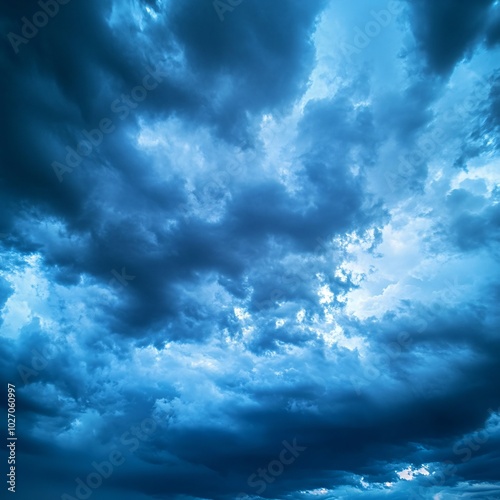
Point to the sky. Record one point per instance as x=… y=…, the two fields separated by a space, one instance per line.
x=250 y=249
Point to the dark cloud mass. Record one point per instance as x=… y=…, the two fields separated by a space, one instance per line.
x=449 y=30
x=249 y=249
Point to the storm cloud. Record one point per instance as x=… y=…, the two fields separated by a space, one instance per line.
x=250 y=249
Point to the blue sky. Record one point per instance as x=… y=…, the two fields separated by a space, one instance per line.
x=250 y=249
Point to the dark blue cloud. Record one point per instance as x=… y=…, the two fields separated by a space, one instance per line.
x=448 y=31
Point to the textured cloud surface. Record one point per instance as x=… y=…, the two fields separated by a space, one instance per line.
x=250 y=249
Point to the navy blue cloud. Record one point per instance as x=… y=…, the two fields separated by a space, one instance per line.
x=448 y=31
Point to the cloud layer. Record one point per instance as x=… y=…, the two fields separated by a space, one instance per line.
x=251 y=250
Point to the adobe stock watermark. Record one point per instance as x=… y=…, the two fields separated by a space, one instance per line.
x=291 y=280
x=213 y=189
x=372 y=29
x=392 y=351
x=260 y=479
x=465 y=449
x=120 y=278
x=122 y=107
x=409 y=163
x=218 y=183
x=130 y=441
x=40 y=19
x=434 y=141
x=39 y=361
x=463 y=109
x=223 y=6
